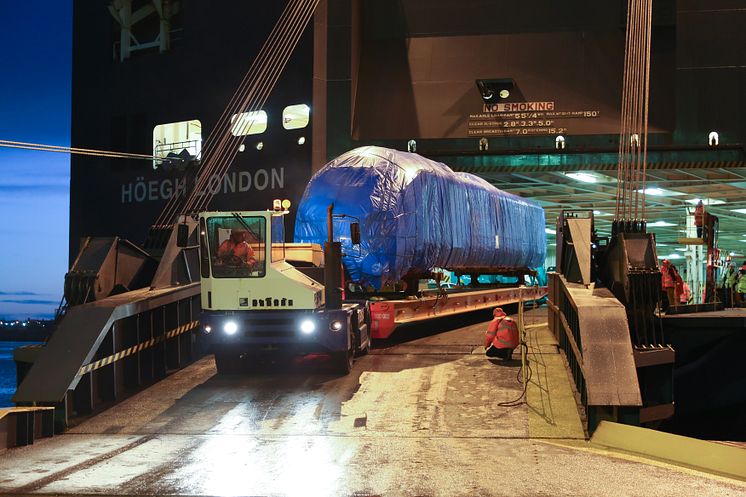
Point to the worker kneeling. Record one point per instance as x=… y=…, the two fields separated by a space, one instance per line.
x=501 y=337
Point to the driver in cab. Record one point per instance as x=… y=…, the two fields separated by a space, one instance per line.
x=236 y=251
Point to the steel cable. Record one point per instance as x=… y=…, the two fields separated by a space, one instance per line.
x=633 y=134
x=79 y=151
x=213 y=157
x=625 y=96
x=228 y=146
x=233 y=105
x=648 y=46
x=254 y=101
x=257 y=101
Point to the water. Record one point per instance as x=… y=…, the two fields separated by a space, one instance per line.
x=8 y=372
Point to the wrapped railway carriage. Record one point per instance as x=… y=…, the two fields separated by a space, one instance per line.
x=261 y=294
x=416 y=214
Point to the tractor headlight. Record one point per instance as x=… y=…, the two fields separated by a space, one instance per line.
x=335 y=325
x=307 y=326
x=208 y=328
x=230 y=327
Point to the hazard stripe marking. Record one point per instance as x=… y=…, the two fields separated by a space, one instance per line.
x=137 y=348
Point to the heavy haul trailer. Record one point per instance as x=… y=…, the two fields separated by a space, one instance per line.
x=387 y=315
x=259 y=293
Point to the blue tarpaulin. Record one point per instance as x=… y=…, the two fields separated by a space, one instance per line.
x=416 y=214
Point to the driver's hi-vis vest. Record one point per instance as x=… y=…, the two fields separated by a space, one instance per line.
x=241 y=250
x=502 y=333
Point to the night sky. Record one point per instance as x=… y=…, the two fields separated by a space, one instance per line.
x=35 y=85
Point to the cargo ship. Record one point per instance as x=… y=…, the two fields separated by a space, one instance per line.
x=401 y=74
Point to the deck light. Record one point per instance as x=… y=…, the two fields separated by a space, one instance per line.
x=660 y=224
x=584 y=177
x=705 y=201
x=660 y=192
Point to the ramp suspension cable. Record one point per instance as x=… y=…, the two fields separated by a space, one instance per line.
x=257 y=99
x=41 y=147
x=218 y=132
x=221 y=147
x=633 y=135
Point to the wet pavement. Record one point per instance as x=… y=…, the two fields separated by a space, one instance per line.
x=420 y=416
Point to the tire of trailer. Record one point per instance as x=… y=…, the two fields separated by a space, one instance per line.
x=361 y=351
x=364 y=350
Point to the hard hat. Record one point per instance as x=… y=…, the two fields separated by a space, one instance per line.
x=666 y=262
x=498 y=312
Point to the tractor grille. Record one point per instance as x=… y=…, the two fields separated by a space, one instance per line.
x=271 y=326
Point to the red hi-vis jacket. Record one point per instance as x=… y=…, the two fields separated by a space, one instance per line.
x=502 y=333
x=699 y=213
x=667 y=279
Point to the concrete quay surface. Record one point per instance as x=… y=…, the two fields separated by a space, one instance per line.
x=419 y=416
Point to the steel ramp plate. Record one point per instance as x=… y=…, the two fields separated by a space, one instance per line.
x=78 y=337
x=75 y=340
x=580 y=232
x=607 y=360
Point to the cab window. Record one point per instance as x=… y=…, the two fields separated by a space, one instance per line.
x=237 y=246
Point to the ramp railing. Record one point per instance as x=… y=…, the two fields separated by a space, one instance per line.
x=591 y=328
x=106 y=350
x=563 y=322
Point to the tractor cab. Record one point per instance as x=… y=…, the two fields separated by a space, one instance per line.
x=244 y=263
x=254 y=300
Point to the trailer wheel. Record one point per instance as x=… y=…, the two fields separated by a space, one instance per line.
x=343 y=360
x=364 y=350
x=228 y=362
x=365 y=325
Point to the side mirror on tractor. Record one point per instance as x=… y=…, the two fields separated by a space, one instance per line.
x=355 y=233
x=182 y=235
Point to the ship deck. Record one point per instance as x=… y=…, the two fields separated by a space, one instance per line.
x=735 y=315
x=419 y=416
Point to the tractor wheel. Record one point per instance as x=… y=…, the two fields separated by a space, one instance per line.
x=228 y=362
x=342 y=361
